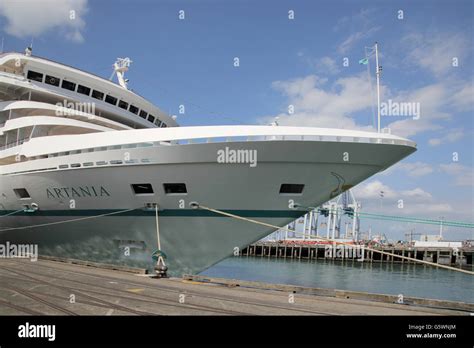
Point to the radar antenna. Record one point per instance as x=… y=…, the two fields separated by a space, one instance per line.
x=121 y=65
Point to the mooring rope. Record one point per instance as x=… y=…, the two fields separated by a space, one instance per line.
x=66 y=221
x=411 y=219
x=198 y=206
x=14 y=212
x=161 y=255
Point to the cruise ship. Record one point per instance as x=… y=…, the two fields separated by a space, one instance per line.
x=91 y=170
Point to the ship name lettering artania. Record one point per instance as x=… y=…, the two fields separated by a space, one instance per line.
x=77 y=192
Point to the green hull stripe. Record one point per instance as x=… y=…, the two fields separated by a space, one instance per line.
x=162 y=213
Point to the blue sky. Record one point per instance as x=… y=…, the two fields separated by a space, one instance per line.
x=286 y=62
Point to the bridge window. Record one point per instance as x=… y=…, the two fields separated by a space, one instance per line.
x=97 y=95
x=133 y=109
x=179 y=189
x=123 y=105
x=143 y=114
x=142 y=189
x=51 y=80
x=35 y=76
x=22 y=193
x=158 y=122
x=83 y=90
x=68 y=85
x=163 y=125
x=111 y=100
x=291 y=188
x=151 y=118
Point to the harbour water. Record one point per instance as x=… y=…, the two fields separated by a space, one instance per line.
x=384 y=278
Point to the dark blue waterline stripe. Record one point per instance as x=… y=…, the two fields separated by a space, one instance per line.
x=162 y=213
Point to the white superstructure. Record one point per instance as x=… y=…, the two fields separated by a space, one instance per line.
x=74 y=146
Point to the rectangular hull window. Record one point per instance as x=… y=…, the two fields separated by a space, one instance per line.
x=133 y=109
x=175 y=189
x=51 y=80
x=83 y=90
x=35 y=76
x=142 y=189
x=111 y=100
x=21 y=193
x=291 y=189
x=97 y=95
x=68 y=85
x=123 y=105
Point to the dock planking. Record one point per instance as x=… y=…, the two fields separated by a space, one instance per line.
x=47 y=287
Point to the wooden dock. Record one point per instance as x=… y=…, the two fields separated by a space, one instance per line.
x=48 y=287
x=446 y=256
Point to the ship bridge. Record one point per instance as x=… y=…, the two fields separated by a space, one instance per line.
x=28 y=78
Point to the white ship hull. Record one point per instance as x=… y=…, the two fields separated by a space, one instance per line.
x=193 y=239
x=74 y=146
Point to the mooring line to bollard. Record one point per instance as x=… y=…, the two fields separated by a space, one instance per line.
x=66 y=221
x=198 y=206
x=161 y=255
x=395 y=218
x=12 y=213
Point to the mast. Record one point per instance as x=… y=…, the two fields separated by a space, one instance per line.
x=378 y=70
x=441 y=227
x=120 y=67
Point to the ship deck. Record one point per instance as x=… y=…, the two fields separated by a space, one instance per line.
x=48 y=287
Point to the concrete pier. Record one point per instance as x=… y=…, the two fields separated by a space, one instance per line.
x=48 y=287
x=463 y=258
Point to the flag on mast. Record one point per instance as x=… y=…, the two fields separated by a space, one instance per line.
x=369 y=52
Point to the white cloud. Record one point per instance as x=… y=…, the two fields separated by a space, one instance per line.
x=327 y=65
x=434 y=100
x=438 y=101
x=359 y=25
x=451 y=137
x=362 y=18
x=415 y=201
x=431 y=208
x=416 y=193
x=30 y=18
x=435 y=51
x=414 y=169
x=372 y=190
x=463 y=98
x=354 y=38
x=324 y=65
x=409 y=127
x=462 y=175
x=320 y=104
